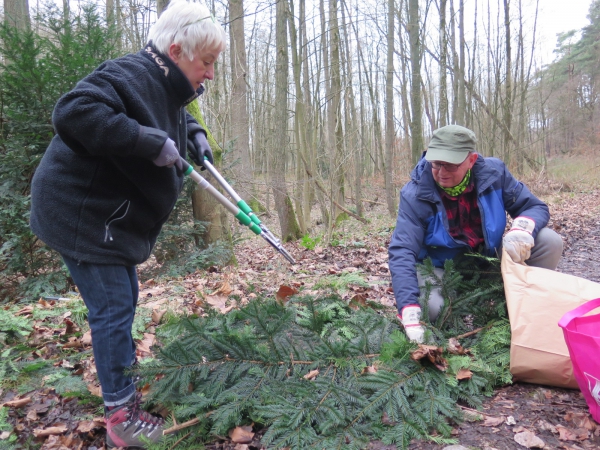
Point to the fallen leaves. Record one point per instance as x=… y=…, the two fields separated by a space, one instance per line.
x=529 y=440
x=157 y=315
x=358 y=301
x=284 y=293
x=567 y=434
x=431 y=353
x=241 y=435
x=455 y=348
x=216 y=301
x=143 y=347
x=582 y=420
x=464 y=374
x=311 y=375
x=19 y=403
x=56 y=429
x=491 y=421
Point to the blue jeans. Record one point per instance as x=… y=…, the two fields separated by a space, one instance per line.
x=110 y=293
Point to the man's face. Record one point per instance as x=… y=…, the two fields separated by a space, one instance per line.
x=450 y=175
x=197 y=70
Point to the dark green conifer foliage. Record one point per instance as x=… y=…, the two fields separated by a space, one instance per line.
x=249 y=366
x=36 y=68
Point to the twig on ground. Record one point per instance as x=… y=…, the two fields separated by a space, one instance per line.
x=471 y=333
x=181 y=426
x=179 y=440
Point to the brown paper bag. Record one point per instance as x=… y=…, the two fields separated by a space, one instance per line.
x=536 y=300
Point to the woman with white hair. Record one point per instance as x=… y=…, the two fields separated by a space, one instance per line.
x=109 y=180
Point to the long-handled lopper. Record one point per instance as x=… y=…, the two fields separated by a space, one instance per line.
x=242 y=212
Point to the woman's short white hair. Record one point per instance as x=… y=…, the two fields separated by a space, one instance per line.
x=190 y=25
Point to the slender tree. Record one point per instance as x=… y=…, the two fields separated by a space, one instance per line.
x=508 y=94
x=390 y=194
x=443 y=109
x=287 y=218
x=239 y=119
x=416 y=124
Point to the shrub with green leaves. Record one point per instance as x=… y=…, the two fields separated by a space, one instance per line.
x=310 y=243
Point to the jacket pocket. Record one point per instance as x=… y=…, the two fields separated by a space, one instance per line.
x=119 y=213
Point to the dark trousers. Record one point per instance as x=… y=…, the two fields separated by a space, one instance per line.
x=110 y=293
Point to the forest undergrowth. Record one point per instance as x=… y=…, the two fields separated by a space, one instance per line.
x=290 y=356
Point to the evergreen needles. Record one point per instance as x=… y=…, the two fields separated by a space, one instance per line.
x=317 y=374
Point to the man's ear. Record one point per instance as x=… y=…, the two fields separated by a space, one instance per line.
x=175 y=52
x=472 y=159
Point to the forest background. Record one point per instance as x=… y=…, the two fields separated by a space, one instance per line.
x=311 y=102
x=317 y=113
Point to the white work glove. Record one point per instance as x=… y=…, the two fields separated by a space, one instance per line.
x=410 y=319
x=519 y=241
x=169 y=155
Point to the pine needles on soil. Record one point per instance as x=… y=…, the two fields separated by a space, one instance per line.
x=314 y=373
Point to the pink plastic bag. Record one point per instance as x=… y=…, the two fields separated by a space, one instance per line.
x=582 y=335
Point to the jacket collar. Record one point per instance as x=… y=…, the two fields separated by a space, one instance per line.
x=483 y=173
x=174 y=77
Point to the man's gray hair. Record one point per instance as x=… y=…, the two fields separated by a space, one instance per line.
x=190 y=25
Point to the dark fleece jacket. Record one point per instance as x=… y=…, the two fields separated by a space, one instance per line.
x=97 y=196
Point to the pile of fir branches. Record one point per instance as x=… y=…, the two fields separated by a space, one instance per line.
x=316 y=373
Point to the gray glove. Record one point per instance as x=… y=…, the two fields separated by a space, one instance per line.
x=199 y=149
x=169 y=155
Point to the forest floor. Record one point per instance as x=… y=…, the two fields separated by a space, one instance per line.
x=559 y=417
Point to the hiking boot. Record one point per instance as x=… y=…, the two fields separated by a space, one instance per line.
x=125 y=425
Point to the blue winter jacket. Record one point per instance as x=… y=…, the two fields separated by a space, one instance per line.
x=422 y=225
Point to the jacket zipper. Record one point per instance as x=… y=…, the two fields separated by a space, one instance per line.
x=111 y=219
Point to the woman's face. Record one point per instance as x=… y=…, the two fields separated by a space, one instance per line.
x=196 y=70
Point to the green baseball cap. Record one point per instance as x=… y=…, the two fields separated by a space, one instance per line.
x=451 y=144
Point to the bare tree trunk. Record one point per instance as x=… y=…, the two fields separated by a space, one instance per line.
x=310 y=190
x=507 y=85
x=351 y=113
x=455 y=65
x=403 y=76
x=119 y=23
x=161 y=5
x=299 y=127
x=472 y=77
x=205 y=207
x=287 y=219
x=240 y=124
x=416 y=125
x=371 y=87
x=443 y=114
x=460 y=116
x=110 y=12
x=16 y=14
x=520 y=155
x=389 y=114
x=335 y=111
